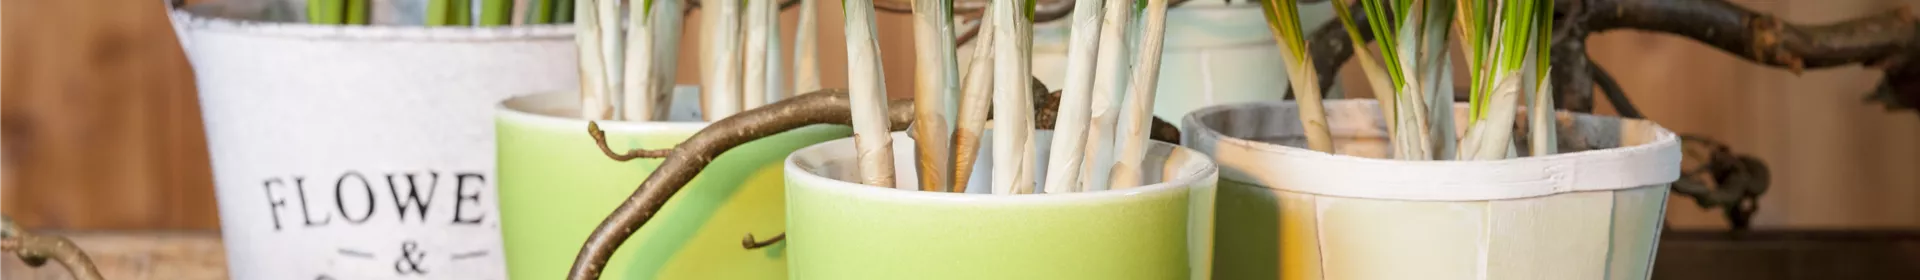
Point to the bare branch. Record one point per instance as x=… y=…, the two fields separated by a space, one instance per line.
x=600 y=138
x=750 y=243
x=35 y=250
x=829 y=106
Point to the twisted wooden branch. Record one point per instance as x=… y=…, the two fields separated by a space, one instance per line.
x=829 y=106
x=35 y=250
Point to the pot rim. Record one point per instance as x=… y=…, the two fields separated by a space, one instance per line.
x=1195 y=169
x=1655 y=162
x=529 y=109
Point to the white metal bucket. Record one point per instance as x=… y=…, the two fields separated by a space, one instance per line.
x=1591 y=212
x=359 y=152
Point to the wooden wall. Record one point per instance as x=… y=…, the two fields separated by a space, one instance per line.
x=100 y=122
x=1836 y=161
x=101 y=125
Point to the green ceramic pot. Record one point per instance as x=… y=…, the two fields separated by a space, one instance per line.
x=843 y=230
x=556 y=186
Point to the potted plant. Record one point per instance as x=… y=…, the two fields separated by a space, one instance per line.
x=871 y=169
x=347 y=135
x=1483 y=189
x=557 y=183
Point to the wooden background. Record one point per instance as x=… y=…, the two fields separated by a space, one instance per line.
x=101 y=128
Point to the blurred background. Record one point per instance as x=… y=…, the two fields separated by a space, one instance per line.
x=101 y=131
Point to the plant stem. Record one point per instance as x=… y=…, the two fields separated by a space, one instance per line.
x=1137 y=119
x=1283 y=18
x=358 y=12
x=975 y=105
x=637 y=89
x=439 y=12
x=754 y=82
x=933 y=84
x=494 y=12
x=461 y=13
x=1108 y=83
x=327 y=11
x=1070 y=130
x=1012 y=123
x=540 y=11
x=868 y=97
x=720 y=59
x=563 y=11
x=806 y=53
x=596 y=68
x=776 y=63
x=694 y=155
x=668 y=21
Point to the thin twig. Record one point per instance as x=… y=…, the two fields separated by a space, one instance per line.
x=600 y=139
x=1615 y=95
x=750 y=243
x=35 y=250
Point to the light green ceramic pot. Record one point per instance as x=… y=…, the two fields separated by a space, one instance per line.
x=556 y=186
x=842 y=230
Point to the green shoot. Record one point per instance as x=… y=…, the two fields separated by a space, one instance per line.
x=1283 y=17
x=461 y=13
x=540 y=11
x=1510 y=37
x=1411 y=37
x=563 y=11
x=326 y=11
x=496 y=12
x=439 y=12
x=358 y=12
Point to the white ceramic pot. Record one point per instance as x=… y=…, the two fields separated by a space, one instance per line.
x=1215 y=53
x=1591 y=212
x=359 y=152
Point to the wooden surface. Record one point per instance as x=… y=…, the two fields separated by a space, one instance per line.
x=182 y=255
x=1769 y=255
x=1683 y=255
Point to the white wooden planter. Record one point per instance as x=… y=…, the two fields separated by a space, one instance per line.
x=1215 y=53
x=1593 y=212
x=359 y=152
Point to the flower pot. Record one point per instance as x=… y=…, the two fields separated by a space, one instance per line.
x=838 y=229
x=359 y=152
x=1591 y=212
x=1215 y=53
x=556 y=186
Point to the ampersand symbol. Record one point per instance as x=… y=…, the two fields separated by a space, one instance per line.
x=410 y=257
